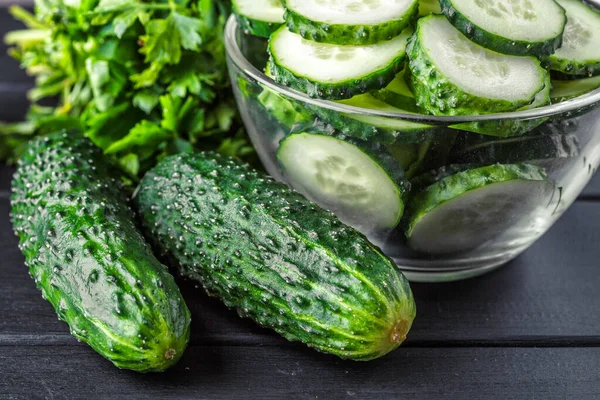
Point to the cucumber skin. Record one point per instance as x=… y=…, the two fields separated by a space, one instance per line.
x=439 y=96
x=284 y=111
x=498 y=43
x=573 y=68
x=340 y=34
x=255 y=27
x=560 y=89
x=87 y=257
x=455 y=185
x=335 y=91
x=275 y=257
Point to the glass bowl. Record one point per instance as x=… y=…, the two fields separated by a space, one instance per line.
x=446 y=197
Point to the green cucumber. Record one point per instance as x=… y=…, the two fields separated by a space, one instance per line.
x=266 y=251
x=359 y=22
x=285 y=111
x=465 y=210
x=366 y=127
x=580 y=51
x=398 y=94
x=539 y=149
x=517 y=27
x=423 y=181
x=512 y=127
x=259 y=17
x=90 y=262
x=333 y=72
x=427 y=7
x=341 y=176
x=453 y=76
x=566 y=90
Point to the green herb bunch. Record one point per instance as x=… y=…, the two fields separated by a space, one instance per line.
x=142 y=79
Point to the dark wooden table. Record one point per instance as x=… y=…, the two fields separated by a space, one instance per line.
x=530 y=330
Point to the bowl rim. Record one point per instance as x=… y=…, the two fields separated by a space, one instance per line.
x=234 y=54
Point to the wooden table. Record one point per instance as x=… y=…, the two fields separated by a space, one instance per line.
x=530 y=330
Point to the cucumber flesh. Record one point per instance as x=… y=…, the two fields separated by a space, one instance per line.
x=518 y=27
x=259 y=17
x=464 y=211
x=342 y=178
x=453 y=76
x=565 y=90
x=334 y=72
x=427 y=7
x=356 y=22
x=580 y=50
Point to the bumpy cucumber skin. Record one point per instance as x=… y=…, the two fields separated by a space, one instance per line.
x=275 y=257
x=88 y=259
x=452 y=186
x=439 y=96
x=423 y=181
x=566 y=90
x=512 y=127
x=498 y=43
x=339 y=90
x=255 y=27
x=573 y=68
x=355 y=35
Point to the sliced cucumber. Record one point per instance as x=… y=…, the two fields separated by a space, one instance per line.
x=330 y=71
x=382 y=129
x=259 y=17
x=538 y=150
x=580 y=50
x=341 y=177
x=453 y=76
x=512 y=127
x=427 y=7
x=286 y=111
x=357 y=22
x=423 y=181
x=566 y=90
x=398 y=94
x=517 y=27
x=463 y=211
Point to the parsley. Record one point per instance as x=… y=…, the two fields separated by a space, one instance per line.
x=142 y=79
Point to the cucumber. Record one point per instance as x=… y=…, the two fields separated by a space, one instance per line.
x=359 y=22
x=566 y=90
x=341 y=177
x=517 y=27
x=259 y=17
x=285 y=111
x=580 y=51
x=463 y=211
x=540 y=149
x=427 y=7
x=90 y=262
x=398 y=94
x=266 y=251
x=512 y=127
x=453 y=76
x=423 y=181
x=333 y=72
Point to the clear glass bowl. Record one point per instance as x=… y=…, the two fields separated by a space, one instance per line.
x=468 y=238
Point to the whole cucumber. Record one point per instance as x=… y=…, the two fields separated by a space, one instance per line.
x=275 y=257
x=85 y=254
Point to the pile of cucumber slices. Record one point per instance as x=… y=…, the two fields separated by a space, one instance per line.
x=447 y=188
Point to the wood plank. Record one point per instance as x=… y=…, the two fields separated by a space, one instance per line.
x=548 y=295
x=273 y=373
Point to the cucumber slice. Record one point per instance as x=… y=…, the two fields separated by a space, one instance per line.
x=453 y=76
x=512 y=127
x=398 y=94
x=580 y=50
x=357 y=22
x=427 y=7
x=517 y=27
x=342 y=178
x=463 y=211
x=566 y=90
x=382 y=129
x=538 y=150
x=333 y=72
x=259 y=17
x=285 y=111
x=423 y=181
